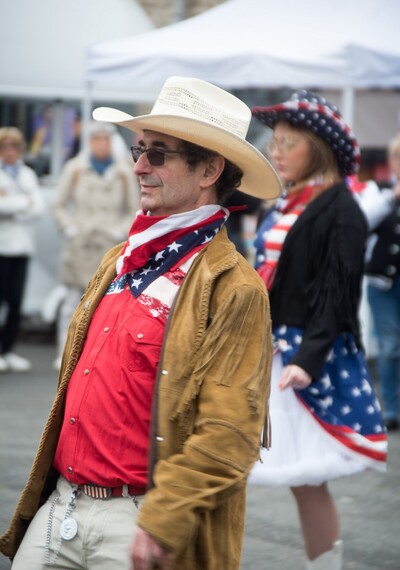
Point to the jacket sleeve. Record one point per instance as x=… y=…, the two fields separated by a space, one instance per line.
x=229 y=388
x=376 y=204
x=63 y=213
x=27 y=202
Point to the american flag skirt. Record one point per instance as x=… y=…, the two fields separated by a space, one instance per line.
x=332 y=428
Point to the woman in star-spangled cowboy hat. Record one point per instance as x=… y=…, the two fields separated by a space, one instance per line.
x=325 y=416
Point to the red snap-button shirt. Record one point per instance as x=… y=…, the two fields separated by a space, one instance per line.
x=105 y=433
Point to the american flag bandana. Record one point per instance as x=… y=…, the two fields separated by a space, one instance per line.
x=273 y=232
x=342 y=399
x=159 y=243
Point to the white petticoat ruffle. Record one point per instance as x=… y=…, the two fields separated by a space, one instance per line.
x=302 y=452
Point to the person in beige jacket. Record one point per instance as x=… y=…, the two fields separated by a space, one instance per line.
x=164 y=384
x=97 y=197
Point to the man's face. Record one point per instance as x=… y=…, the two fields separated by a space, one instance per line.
x=172 y=188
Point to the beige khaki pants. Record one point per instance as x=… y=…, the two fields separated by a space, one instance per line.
x=105 y=531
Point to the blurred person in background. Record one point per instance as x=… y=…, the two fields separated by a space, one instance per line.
x=96 y=198
x=76 y=132
x=20 y=202
x=381 y=205
x=39 y=155
x=119 y=148
x=326 y=420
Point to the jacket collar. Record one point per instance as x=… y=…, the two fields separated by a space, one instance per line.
x=314 y=209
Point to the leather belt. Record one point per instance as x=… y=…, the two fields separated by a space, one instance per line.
x=97 y=492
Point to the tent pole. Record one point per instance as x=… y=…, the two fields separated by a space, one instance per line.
x=180 y=10
x=86 y=113
x=57 y=138
x=348 y=105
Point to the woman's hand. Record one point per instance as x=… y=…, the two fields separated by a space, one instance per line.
x=295 y=377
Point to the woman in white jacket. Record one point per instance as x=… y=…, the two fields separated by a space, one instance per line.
x=20 y=202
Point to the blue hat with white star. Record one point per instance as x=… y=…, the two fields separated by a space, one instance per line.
x=307 y=109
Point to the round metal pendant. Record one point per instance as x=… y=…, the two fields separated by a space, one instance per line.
x=68 y=529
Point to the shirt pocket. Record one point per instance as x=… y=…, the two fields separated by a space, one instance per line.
x=141 y=346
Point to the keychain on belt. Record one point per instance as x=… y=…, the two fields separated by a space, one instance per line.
x=68 y=528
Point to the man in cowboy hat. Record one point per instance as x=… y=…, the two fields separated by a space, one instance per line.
x=165 y=375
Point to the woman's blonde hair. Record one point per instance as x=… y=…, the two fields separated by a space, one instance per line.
x=322 y=166
x=12 y=134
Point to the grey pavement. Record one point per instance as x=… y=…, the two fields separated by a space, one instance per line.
x=369 y=503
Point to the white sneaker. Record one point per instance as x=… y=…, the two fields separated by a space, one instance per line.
x=3 y=365
x=331 y=560
x=16 y=363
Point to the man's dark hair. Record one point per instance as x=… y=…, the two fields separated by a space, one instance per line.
x=230 y=177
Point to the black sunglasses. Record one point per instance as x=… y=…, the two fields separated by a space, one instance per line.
x=155 y=156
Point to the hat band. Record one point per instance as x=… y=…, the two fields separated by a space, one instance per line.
x=175 y=100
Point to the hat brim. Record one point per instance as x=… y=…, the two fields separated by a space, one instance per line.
x=297 y=114
x=259 y=177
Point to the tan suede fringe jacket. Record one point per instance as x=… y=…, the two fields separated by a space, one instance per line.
x=209 y=409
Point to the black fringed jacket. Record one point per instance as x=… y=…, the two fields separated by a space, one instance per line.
x=318 y=282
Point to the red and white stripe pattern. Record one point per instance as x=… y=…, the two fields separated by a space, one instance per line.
x=160 y=294
x=273 y=248
x=286 y=215
x=150 y=235
x=154 y=270
x=372 y=447
x=97 y=492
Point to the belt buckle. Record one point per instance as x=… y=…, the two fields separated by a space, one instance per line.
x=97 y=492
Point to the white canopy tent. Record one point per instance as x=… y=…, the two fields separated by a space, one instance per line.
x=348 y=49
x=347 y=45
x=43 y=44
x=43 y=48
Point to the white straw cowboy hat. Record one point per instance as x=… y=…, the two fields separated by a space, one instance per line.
x=203 y=114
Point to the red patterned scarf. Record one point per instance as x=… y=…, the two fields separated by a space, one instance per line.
x=285 y=215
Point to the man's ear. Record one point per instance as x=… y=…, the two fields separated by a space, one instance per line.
x=213 y=169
